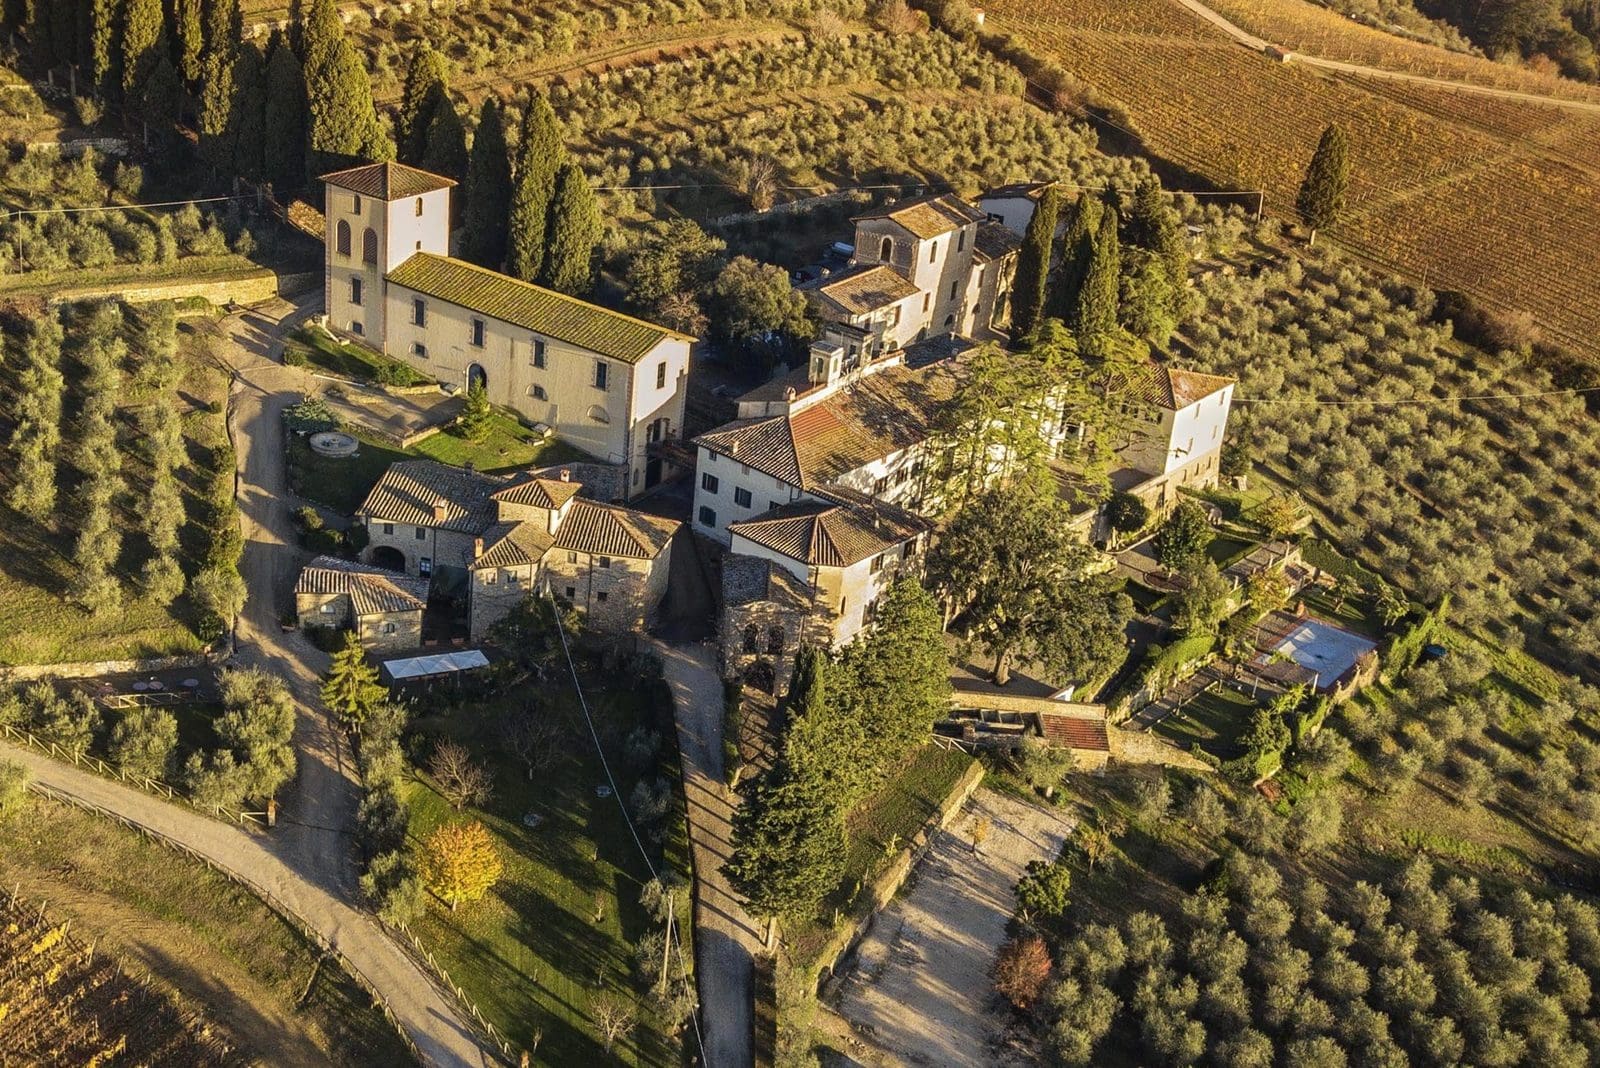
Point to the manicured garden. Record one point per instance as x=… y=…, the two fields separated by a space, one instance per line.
x=556 y=937
x=314 y=348
x=506 y=444
x=1215 y=720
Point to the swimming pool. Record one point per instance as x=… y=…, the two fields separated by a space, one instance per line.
x=1324 y=649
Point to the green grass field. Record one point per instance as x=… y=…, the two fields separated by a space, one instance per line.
x=199 y=933
x=560 y=927
x=316 y=349
x=1215 y=719
x=507 y=445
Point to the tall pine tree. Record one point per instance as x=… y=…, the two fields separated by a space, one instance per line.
x=224 y=27
x=1096 y=313
x=162 y=102
x=1321 y=198
x=1033 y=263
x=217 y=128
x=104 y=55
x=190 y=33
x=574 y=231
x=539 y=156
x=142 y=46
x=283 y=142
x=344 y=127
x=1077 y=246
x=426 y=84
x=247 y=115
x=487 y=190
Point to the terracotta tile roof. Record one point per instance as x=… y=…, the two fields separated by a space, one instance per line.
x=878 y=414
x=865 y=288
x=513 y=545
x=829 y=534
x=539 y=492
x=1175 y=389
x=995 y=241
x=409 y=490
x=929 y=216
x=607 y=530
x=543 y=311
x=388 y=181
x=371 y=589
x=1066 y=731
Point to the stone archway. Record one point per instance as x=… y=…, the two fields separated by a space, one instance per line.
x=760 y=676
x=476 y=375
x=389 y=558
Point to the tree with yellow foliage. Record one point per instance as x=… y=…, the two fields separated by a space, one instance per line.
x=460 y=863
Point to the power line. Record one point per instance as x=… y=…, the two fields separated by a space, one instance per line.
x=125 y=207
x=583 y=703
x=1458 y=399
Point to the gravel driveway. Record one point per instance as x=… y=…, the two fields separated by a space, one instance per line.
x=919 y=986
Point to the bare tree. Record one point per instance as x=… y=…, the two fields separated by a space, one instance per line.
x=614 y=1016
x=761 y=182
x=532 y=734
x=460 y=780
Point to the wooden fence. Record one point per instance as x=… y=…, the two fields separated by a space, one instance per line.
x=422 y=954
x=111 y=771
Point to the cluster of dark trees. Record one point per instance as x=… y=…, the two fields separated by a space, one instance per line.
x=1122 y=264
x=850 y=719
x=1562 y=34
x=250 y=759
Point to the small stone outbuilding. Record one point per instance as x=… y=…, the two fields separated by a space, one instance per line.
x=384 y=608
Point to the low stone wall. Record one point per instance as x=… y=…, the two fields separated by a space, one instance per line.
x=246 y=288
x=96 y=668
x=889 y=881
x=1141 y=747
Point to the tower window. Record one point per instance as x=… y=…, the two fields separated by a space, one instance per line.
x=342 y=242
x=419 y=207
x=419 y=311
x=661 y=375
x=602 y=375
x=355 y=203
x=538 y=353
x=369 y=246
x=477 y=333
x=355 y=292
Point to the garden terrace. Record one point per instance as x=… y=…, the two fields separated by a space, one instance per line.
x=1495 y=218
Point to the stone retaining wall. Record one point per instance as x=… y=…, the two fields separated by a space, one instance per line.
x=96 y=668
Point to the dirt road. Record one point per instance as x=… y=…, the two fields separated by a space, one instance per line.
x=726 y=939
x=919 y=986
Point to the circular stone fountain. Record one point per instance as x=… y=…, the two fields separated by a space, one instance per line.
x=333 y=443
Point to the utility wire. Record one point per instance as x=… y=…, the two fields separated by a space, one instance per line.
x=125 y=207
x=1458 y=399
x=583 y=703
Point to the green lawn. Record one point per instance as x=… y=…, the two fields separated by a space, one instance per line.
x=1226 y=549
x=343 y=483
x=507 y=445
x=317 y=349
x=199 y=932
x=1216 y=719
x=1354 y=614
x=1144 y=598
x=879 y=828
x=561 y=925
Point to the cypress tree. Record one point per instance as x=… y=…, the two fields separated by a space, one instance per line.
x=224 y=27
x=141 y=45
x=283 y=142
x=487 y=190
x=1321 y=198
x=1077 y=245
x=574 y=230
x=445 y=143
x=64 y=31
x=103 y=52
x=1096 y=315
x=344 y=126
x=247 y=113
x=163 y=99
x=426 y=84
x=1033 y=263
x=539 y=156
x=191 y=39
x=318 y=30
x=217 y=127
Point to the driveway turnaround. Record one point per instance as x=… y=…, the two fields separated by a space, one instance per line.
x=919 y=986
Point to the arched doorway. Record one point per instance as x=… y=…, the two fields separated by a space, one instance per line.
x=389 y=558
x=477 y=376
x=886 y=250
x=760 y=676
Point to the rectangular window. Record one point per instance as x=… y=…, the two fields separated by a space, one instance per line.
x=388 y=528
x=881 y=486
x=572 y=594
x=601 y=597
x=419 y=311
x=661 y=375
x=419 y=350
x=953 y=285
x=512 y=578
x=572 y=558
x=708 y=518
x=355 y=292
x=422 y=533
x=933 y=252
x=877 y=563
x=771 y=505
x=603 y=561
x=741 y=497
x=355 y=203
x=488 y=578
x=961 y=240
x=602 y=374
x=477 y=333
x=425 y=566
x=538 y=353
x=927 y=301
x=709 y=482
x=357 y=329
x=418 y=208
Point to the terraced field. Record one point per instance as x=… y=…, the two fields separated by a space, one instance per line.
x=1440 y=190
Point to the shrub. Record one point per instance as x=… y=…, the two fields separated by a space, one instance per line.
x=1021 y=969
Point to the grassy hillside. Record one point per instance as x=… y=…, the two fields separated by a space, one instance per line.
x=1436 y=193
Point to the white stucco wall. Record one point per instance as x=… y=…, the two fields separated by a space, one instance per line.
x=731 y=476
x=1198 y=429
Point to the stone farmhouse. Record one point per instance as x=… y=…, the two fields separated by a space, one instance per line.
x=384 y=608
x=606 y=382
x=498 y=538
x=921 y=268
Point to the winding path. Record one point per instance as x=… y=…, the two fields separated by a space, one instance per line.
x=1259 y=44
x=307 y=865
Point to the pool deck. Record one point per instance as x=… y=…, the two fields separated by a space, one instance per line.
x=1326 y=652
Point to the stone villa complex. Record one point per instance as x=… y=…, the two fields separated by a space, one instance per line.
x=606 y=382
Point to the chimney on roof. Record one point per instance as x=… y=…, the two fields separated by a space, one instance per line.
x=439 y=507
x=477 y=548
x=468 y=466
x=566 y=474
x=733 y=447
